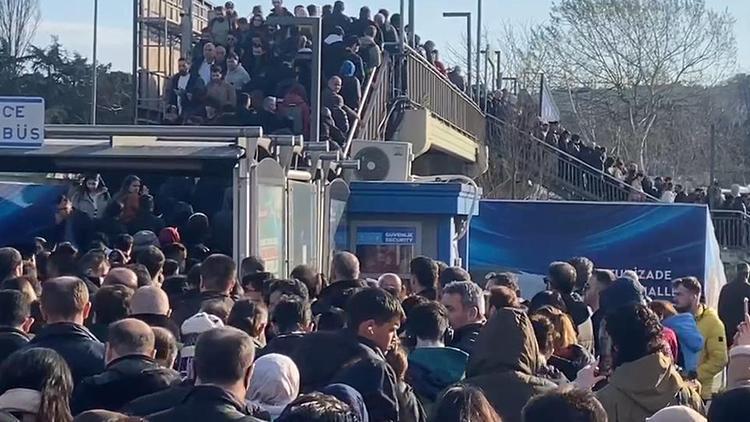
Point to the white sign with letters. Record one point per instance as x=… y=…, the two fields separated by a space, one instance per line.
x=21 y=122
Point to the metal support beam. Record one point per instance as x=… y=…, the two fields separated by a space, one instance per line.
x=479 y=44
x=105 y=131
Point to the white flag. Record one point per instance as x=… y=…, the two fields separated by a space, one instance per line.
x=550 y=112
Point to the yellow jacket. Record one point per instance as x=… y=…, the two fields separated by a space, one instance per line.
x=713 y=358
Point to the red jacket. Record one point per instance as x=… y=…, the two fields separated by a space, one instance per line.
x=671 y=339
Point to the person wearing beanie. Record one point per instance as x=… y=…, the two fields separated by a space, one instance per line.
x=351 y=88
x=169 y=235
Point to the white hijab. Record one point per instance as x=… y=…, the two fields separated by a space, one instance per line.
x=274 y=383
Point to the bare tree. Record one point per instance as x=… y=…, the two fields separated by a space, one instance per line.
x=19 y=20
x=634 y=53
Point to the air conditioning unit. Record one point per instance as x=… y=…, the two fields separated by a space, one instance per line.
x=382 y=161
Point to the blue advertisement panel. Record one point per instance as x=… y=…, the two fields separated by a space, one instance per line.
x=661 y=242
x=26 y=210
x=385 y=249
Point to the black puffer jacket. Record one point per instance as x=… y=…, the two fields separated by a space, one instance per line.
x=124 y=380
x=83 y=352
x=206 y=403
x=11 y=339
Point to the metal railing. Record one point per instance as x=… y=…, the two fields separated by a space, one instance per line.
x=354 y=127
x=732 y=228
x=557 y=170
x=432 y=90
x=376 y=107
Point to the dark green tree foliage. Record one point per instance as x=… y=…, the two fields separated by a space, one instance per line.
x=64 y=81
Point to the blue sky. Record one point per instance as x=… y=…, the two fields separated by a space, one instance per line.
x=71 y=20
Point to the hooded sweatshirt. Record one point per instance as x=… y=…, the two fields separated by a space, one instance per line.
x=504 y=363
x=638 y=389
x=432 y=369
x=689 y=337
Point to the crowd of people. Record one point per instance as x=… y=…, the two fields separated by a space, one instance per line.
x=157 y=330
x=633 y=179
x=251 y=71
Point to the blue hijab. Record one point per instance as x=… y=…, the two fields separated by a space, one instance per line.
x=349 y=396
x=347 y=68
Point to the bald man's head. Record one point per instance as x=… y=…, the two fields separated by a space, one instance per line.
x=345 y=266
x=391 y=283
x=149 y=300
x=122 y=276
x=127 y=337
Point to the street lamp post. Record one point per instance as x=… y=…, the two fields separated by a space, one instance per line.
x=94 y=65
x=498 y=74
x=479 y=44
x=469 y=57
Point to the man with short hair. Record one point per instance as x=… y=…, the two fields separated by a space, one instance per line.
x=220 y=91
x=562 y=279
x=110 y=304
x=279 y=11
x=355 y=356
x=713 y=358
x=153 y=259
x=236 y=76
x=65 y=306
x=345 y=282
x=584 y=269
x=124 y=244
x=223 y=365
x=203 y=67
x=565 y=404
x=424 y=277
x=464 y=301
x=278 y=290
x=165 y=344
x=392 y=284
x=185 y=90
x=218 y=277
x=11 y=264
x=15 y=322
x=150 y=304
x=432 y=366
x=599 y=281
x=292 y=320
x=452 y=274
x=732 y=301
x=317 y=407
x=131 y=370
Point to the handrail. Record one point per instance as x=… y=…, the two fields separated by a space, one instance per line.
x=732 y=228
x=573 y=179
x=414 y=53
x=354 y=126
x=427 y=87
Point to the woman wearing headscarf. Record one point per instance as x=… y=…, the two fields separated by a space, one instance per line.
x=351 y=397
x=274 y=383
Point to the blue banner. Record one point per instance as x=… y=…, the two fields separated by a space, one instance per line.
x=661 y=242
x=26 y=210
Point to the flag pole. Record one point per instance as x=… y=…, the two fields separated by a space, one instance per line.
x=541 y=96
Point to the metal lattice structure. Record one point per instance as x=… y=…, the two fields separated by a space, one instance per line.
x=160 y=28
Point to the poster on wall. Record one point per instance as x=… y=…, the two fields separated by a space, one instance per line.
x=271 y=226
x=385 y=249
x=660 y=242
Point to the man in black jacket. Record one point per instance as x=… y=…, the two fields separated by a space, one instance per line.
x=186 y=89
x=150 y=304
x=345 y=282
x=292 y=320
x=355 y=356
x=562 y=279
x=65 y=305
x=732 y=301
x=223 y=365
x=131 y=370
x=218 y=277
x=465 y=303
x=15 y=322
x=424 y=277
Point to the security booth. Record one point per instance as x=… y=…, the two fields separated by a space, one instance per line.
x=271 y=202
x=387 y=224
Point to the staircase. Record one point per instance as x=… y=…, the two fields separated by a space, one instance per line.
x=559 y=173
